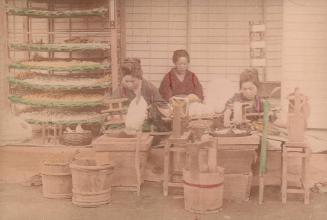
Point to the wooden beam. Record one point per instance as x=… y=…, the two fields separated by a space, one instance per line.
x=4 y=61
x=122 y=25
x=263 y=150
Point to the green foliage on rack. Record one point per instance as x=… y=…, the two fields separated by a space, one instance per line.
x=57 y=14
x=55 y=104
x=98 y=120
x=76 y=68
x=60 y=47
x=17 y=82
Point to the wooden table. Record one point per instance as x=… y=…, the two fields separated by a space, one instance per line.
x=246 y=143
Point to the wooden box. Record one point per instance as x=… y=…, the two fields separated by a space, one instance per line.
x=236 y=161
x=121 y=152
x=237 y=187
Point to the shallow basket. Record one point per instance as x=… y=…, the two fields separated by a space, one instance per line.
x=77 y=138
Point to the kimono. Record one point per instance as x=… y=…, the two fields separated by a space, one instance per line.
x=153 y=98
x=172 y=86
x=149 y=92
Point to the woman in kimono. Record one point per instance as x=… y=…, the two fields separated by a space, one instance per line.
x=179 y=81
x=134 y=85
x=248 y=93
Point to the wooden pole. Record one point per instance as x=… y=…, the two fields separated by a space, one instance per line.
x=122 y=25
x=4 y=61
x=114 y=43
x=263 y=152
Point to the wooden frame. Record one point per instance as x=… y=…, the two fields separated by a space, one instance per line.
x=114 y=41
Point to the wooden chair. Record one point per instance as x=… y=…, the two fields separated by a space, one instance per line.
x=296 y=146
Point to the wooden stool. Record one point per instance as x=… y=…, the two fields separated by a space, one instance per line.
x=173 y=145
x=303 y=152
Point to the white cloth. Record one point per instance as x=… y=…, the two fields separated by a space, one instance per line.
x=13 y=129
x=199 y=109
x=136 y=114
x=216 y=94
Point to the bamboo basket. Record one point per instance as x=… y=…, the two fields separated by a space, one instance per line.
x=77 y=138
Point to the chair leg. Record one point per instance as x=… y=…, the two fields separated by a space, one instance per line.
x=284 y=175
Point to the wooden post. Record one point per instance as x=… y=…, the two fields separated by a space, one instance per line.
x=4 y=61
x=27 y=31
x=114 y=43
x=122 y=25
x=166 y=177
x=284 y=174
x=263 y=152
x=177 y=120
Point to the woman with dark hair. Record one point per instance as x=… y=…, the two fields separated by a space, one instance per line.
x=179 y=80
x=249 y=86
x=133 y=85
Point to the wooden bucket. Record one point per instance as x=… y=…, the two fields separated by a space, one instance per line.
x=56 y=180
x=91 y=183
x=203 y=194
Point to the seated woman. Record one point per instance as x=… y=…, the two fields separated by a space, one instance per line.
x=179 y=80
x=134 y=85
x=249 y=85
